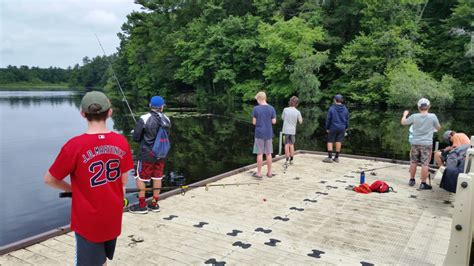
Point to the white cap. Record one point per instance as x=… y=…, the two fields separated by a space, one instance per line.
x=423 y=102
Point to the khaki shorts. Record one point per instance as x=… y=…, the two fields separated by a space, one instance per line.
x=421 y=154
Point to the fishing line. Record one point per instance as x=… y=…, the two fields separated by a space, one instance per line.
x=116 y=79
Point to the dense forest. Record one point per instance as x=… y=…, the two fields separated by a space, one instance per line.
x=34 y=75
x=373 y=52
x=92 y=74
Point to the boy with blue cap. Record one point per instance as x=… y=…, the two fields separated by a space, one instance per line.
x=148 y=166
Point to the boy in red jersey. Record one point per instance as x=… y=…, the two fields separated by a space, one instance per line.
x=97 y=163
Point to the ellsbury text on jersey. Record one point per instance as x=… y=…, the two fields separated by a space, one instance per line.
x=102 y=149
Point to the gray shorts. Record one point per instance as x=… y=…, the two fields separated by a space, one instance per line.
x=263 y=146
x=290 y=139
x=90 y=253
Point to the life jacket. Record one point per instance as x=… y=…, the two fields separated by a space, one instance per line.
x=363 y=188
x=380 y=186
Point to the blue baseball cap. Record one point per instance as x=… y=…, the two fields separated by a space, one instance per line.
x=157 y=101
x=338 y=97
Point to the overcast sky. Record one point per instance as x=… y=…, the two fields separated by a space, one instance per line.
x=59 y=32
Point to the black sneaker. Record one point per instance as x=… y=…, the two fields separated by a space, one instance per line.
x=153 y=206
x=411 y=182
x=424 y=186
x=138 y=209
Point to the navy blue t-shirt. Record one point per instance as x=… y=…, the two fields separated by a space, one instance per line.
x=264 y=115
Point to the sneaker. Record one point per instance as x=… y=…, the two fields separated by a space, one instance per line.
x=327 y=160
x=138 y=209
x=411 y=182
x=336 y=160
x=424 y=186
x=291 y=162
x=153 y=206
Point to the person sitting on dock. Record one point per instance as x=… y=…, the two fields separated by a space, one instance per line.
x=263 y=117
x=149 y=167
x=456 y=140
x=424 y=124
x=290 y=117
x=97 y=163
x=337 y=123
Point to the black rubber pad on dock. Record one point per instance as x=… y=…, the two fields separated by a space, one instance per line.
x=213 y=262
x=309 y=200
x=297 y=209
x=200 y=225
x=266 y=231
x=171 y=217
x=241 y=244
x=316 y=253
x=234 y=233
x=322 y=193
x=363 y=263
x=272 y=242
x=281 y=218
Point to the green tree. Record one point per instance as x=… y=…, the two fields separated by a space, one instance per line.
x=292 y=62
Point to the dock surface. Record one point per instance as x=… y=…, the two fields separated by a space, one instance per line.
x=304 y=215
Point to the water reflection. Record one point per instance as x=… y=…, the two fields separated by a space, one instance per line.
x=26 y=99
x=207 y=139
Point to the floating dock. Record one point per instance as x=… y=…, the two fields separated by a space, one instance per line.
x=306 y=214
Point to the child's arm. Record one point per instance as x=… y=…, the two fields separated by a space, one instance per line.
x=254 y=121
x=55 y=183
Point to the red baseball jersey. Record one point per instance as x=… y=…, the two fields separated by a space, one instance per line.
x=95 y=163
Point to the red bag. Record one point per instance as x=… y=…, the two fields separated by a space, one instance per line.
x=380 y=186
x=363 y=188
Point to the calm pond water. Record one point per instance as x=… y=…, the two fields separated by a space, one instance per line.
x=206 y=140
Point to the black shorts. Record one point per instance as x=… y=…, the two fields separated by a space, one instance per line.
x=289 y=139
x=336 y=136
x=90 y=253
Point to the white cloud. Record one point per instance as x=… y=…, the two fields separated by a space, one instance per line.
x=59 y=32
x=101 y=17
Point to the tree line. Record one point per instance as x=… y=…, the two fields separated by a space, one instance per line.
x=388 y=52
x=92 y=74
x=372 y=51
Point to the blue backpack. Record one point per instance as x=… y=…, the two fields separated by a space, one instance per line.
x=162 y=145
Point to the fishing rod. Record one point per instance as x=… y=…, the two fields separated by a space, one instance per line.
x=373 y=169
x=124 y=99
x=183 y=188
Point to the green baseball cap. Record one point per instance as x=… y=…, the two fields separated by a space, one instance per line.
x=95 y=102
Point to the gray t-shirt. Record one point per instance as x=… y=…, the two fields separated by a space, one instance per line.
x=423 y=127
x=290 y=117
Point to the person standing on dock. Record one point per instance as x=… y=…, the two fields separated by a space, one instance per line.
x=148 y=166
x=97 y=163
x=337 y=123
x=291 y=116
x=263 y=117
x=424 y=124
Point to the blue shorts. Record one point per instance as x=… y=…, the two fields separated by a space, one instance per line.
x=336 y=136
x=90 y=253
